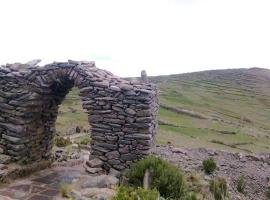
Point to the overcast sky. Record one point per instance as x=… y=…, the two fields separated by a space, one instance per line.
x=126 y=36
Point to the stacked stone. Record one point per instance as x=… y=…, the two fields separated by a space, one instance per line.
x=122 y=114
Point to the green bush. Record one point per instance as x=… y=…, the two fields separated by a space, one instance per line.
x=219 y=189
x=209 y=165
x=241 y=184
x=166 y=178
x=130 y=193
x=62 y=142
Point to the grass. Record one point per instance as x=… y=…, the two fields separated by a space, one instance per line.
x=219 y=188
x=131 y=193
x=241 y=184
x=71 y=113
x=194 y=137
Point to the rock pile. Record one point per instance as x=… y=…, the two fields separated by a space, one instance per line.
x=122 y=114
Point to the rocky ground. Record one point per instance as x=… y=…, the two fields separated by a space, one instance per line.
x=67 y=174
x=255 y=168
x=48 y=184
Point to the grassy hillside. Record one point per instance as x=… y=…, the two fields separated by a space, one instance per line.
x=222 y=109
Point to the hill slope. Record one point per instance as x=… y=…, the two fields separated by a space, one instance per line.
x=221 y=109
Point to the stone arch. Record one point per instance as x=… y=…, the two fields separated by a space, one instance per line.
x=122 y=114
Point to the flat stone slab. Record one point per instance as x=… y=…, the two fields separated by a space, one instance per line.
x=42 y=185
x=102 y=181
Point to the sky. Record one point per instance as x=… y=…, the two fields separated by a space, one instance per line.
x=127 y=36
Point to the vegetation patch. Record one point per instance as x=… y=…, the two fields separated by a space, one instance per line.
x=195 y=182
x=85 y=141
x=218 y=187
x=241 y=184
x=131 y=193
x=191 y=196
x=209 y=165
x=62 y=142
x=166 y=178
x=64 y=190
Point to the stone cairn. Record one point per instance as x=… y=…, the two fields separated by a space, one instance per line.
x=122 y=114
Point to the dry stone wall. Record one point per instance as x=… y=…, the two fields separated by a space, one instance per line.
x=122 y=114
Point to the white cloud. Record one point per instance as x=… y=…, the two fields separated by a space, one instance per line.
x=161 y=36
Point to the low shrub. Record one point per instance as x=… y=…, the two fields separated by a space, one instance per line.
x=165 y=177
x=130 y=193
x=62 y=142
x=241 y=184
x=64 y=189
x=85 y=141
x=195 y=182
x=218 y=188
x=209 y=165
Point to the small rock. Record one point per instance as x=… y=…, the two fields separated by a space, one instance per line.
x=114 y=172
x=75 y=155
x=2 y=166
x=93 y=170
x=4 y=159
x=130 y=111
x=207 y=178
x=98 y=193
x=100 y=181
x=112 y=155
x=115 y=88
x=179 y=150
x=33 y=63
x=95 y=163
x=3 y=172
x=76 y=195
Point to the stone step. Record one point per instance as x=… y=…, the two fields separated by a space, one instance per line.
x=93 y=170
x=94 y=163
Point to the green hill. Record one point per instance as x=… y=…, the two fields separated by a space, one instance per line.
x=222 y=109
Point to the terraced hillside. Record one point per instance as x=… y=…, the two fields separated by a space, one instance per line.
x=221 y=109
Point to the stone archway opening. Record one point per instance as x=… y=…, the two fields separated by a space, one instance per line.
x=66 y=117
x=121 y=113
x=72 y=119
